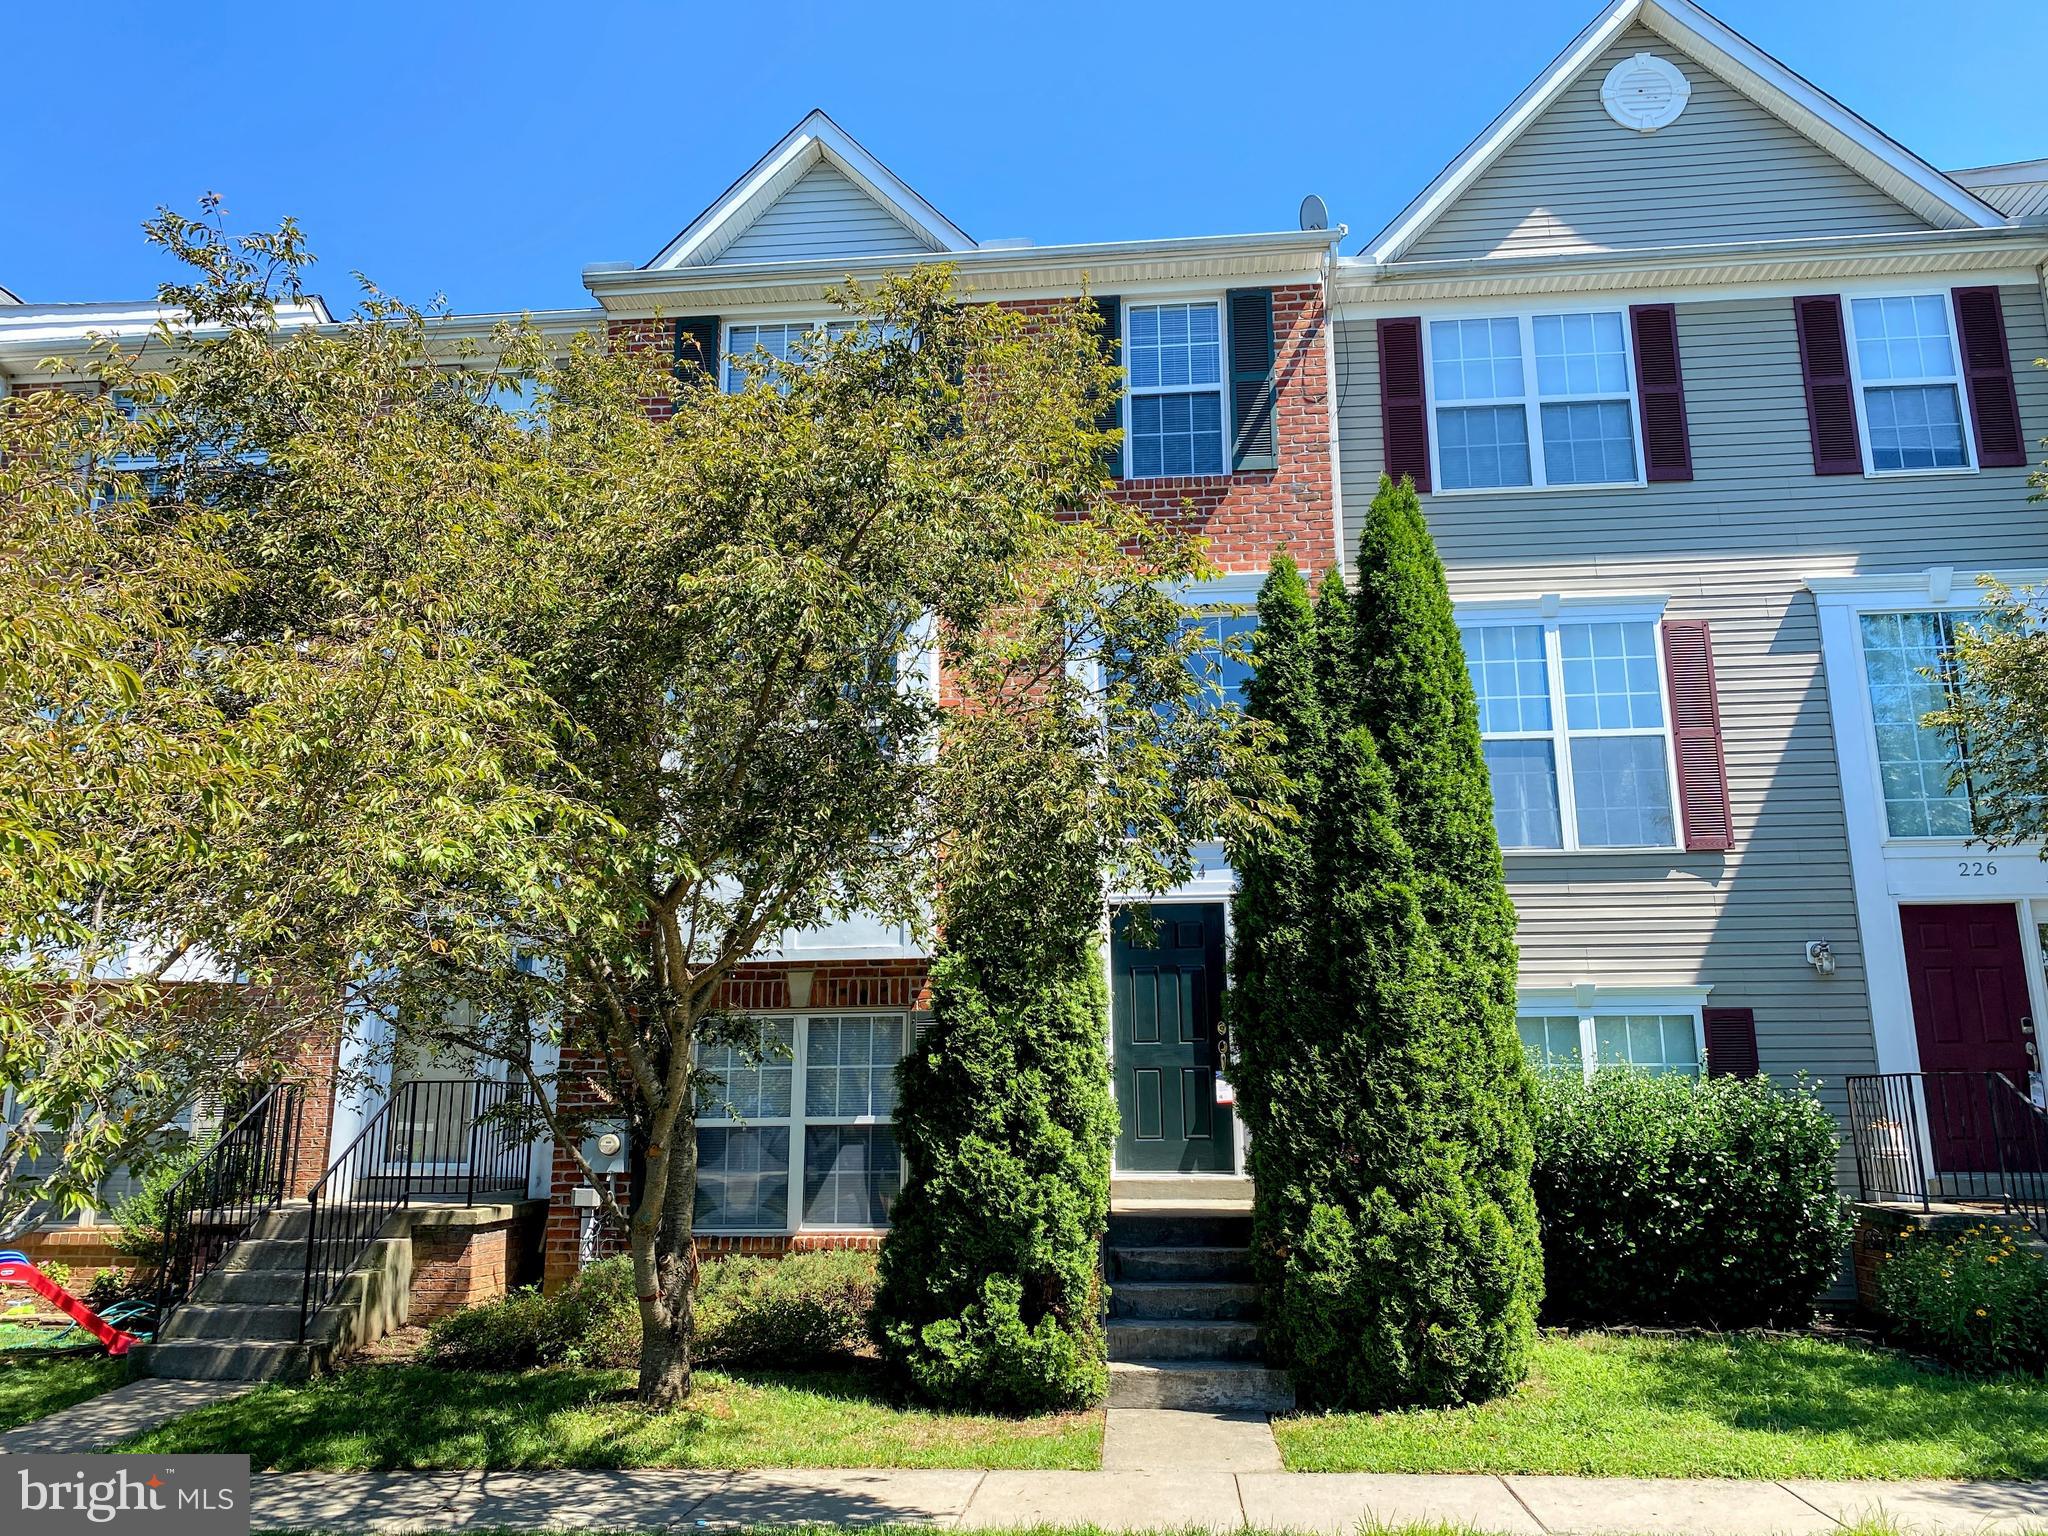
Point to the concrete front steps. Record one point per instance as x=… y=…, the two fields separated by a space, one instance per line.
x=1183 y=1323
x=242 y=1321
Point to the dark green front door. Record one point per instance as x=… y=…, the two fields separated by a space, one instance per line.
x=1165 y=999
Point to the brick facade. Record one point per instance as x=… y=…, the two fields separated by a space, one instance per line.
x=457 y=1265
x=1246 y=517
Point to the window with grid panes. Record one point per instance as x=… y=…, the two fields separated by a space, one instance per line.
x=1915 y=761
x=1573 y=727
x=813 y=1096
x=1647 y=1039
x=743 y=1126
x=1909 y=382
x=1173 y=362
x=1533 y=400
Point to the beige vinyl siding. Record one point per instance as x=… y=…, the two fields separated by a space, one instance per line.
x=824 y=214
x=1730 y=546
x=1576 y=180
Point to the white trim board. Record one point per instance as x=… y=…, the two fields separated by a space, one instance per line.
x=1886 y=871
x=816 y=138
x=1802 y=106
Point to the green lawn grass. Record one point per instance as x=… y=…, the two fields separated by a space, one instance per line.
x=1600 y=1404
x=387 y=1417
x=35 y=1383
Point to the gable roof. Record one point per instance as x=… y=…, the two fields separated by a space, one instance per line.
x=1882 y=161
x=814 y=141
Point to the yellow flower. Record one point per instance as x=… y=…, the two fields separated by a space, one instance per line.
x=1946 y=1273
x=1990 y=1258
x=1982 y=1313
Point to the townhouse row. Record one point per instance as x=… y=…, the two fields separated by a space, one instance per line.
x=1720 y=401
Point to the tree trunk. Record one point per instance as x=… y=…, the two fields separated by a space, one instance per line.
x=668 y=1317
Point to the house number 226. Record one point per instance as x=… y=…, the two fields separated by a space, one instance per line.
x=1975 y=869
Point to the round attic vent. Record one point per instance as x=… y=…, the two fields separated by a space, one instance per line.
x=1644 y=93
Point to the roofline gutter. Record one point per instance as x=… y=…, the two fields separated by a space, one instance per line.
x=1309 y=244
x=1362 y=274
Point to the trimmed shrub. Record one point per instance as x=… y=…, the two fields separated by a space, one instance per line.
x=790 y=1313
x=513 y=1332
x=1669 y=1199
x=785 y=1313
x=990 y=1292
x=1372 y=1000
x=1979 y=1300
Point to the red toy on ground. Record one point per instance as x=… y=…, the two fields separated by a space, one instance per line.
x=15 y=1269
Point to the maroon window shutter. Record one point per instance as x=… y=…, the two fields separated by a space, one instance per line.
x=1660 y=389
x=1731 y=1041
x=1696 y=737
x=1987 y=366
x=1830 y=393
x=1404 y=410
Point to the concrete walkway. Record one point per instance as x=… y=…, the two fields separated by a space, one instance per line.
x=101 y=1421
x=1181 y=1440
x=1334 y=1503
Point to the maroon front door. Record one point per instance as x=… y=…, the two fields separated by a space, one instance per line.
x=1968 y=978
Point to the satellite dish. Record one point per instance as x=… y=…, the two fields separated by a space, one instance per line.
x=1314 y=214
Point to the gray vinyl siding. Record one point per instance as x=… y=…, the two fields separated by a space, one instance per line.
x=1576 y=180
x=1730 y=546
x=2017 y=199
x=824 y=215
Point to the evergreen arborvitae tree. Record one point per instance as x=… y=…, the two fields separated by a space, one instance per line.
x=1388 y=1103
x=990 y=1294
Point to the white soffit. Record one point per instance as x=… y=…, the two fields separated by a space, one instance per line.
x=1886 y=164
x=816 y=138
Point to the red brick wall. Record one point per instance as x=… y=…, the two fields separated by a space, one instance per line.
x=457 y=1267
x=1246 y=517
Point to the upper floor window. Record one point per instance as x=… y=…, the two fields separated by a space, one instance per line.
x=1573 y=723
x=1533 y=400
x=1910 y=663
x=1173 y=358
x=1908 y=384
x=780 y=340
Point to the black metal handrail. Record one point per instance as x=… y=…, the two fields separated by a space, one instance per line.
x=1957 y=1137
x=240 y=1178
x=443 y=1139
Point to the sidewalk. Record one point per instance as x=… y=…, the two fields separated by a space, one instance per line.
x=1333 y=1503
x=112 y=1417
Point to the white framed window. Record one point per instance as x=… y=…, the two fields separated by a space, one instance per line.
x=1533 y=400
x=1173 y=407
x=804 y=1136
x=778 y=338
x=1645 y=1032
x=1915 y=762
x=1574 y=723
x=1910 y=401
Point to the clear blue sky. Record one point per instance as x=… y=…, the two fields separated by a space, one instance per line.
x=489 y=151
